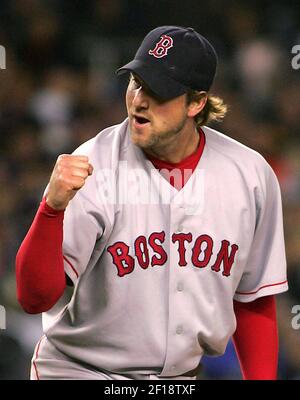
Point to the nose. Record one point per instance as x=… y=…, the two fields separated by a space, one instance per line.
x=140 y=99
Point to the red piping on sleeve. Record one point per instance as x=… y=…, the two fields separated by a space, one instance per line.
x=262 y=287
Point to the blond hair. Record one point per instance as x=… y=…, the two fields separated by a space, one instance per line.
x=214 y=110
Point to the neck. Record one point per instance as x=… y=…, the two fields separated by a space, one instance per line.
x=178 y=148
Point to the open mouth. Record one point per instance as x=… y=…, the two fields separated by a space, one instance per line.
x=140 y=120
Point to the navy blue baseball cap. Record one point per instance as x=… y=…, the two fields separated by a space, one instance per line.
x=173 y=59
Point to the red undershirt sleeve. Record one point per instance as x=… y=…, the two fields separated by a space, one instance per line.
x=40 y=272
x=256 y=338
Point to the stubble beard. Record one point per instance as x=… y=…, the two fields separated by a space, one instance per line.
x=156 y=142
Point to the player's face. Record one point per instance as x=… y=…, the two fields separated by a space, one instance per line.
x=154 y=123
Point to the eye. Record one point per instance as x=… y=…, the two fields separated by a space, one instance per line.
x=135 y=82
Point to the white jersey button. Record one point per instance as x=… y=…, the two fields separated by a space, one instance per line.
x=179 y=330
x=180 y=286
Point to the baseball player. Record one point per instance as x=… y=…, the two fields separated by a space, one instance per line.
x=170 y=234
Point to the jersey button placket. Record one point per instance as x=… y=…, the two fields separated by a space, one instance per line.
x=170 y=367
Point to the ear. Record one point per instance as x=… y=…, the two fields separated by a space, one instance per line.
x=197 y=105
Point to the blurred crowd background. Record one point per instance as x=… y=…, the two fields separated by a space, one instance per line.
x=59 y=89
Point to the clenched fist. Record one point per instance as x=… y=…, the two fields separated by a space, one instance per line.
x=68 y=176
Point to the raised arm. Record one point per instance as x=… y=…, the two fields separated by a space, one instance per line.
x=39 y=262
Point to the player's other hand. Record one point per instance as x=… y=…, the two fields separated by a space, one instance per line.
x=68 y=176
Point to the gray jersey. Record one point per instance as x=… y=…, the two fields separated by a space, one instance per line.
x=156 y=269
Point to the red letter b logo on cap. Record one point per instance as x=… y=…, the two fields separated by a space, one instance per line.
x=162 y=47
